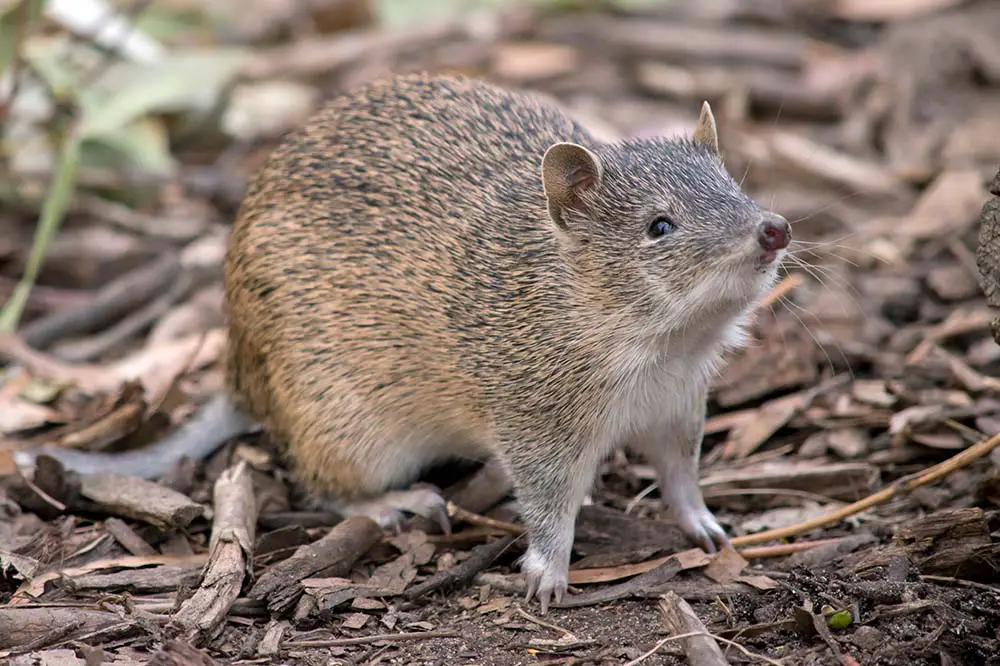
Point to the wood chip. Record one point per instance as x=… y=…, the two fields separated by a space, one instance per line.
x=845 y=481
x=679 y=618
x=139 y=499
x=20 y=625
x=127 y=537
x=230 y=550
x=331 y=556
x=725 y=566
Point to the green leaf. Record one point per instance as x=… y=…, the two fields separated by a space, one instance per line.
x=51 y=218
x=839 y=620
x=143 y=144
x=179 y=82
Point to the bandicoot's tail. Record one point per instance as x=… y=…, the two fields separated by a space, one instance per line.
x=215 y=423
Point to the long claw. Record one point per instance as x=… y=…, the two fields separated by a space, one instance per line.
x=442 y=519
x=543 y=599
x=530 y=586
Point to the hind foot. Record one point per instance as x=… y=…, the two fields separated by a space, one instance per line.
x=389 y=509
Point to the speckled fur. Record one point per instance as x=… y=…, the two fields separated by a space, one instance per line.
x=397 y=293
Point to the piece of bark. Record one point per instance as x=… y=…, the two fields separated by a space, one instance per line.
x=270 y=644
x=333 y=555
x=949 y=543
x=139 y=499
x=843 y=481
x=988 y=252
x=177 y=653
x=230 y=552
x=326 y=594
x=35 y=588
x=481 y=557
x=20 y=625
x=127 y=537
x=679 y=618
x=150 y=580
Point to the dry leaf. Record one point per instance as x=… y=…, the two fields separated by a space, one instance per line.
x=726 y=566
x=495 y=605
x=395 y=575
x=873 y=392
x=747 y=436
x=758 y=581
x=17 y=415
x=355 y=620
x=948 y=441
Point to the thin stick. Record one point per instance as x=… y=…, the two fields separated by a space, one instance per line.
x=781 y=289
x=782 y=549
x=376 y=638
x=479 y=559
x=900 y=486
x=44 y=495
x=656 y=648
x=459 y=514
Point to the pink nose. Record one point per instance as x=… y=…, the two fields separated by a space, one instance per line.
x=774 y=233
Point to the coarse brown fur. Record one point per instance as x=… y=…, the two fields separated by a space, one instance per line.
x=398 y=292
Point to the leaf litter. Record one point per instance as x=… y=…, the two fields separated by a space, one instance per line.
x=872 y=362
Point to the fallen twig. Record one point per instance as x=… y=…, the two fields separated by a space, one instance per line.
x=481 y=557
x=376 y=638
x=230 y=551
x=331 y=556
x=139 y=499
x=608 y=574
x=457 y=513
x=900 y=486
x=656 y=648
x=114 y=300
x=781 y=289
x=679 y=618
x=93 y=347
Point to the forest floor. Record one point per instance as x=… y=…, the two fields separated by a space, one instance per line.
x=869 y=393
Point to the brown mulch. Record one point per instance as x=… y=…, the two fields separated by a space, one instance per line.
x=877 y=131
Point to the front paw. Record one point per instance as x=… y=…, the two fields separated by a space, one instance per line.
x=544 y=577
x=699 y=525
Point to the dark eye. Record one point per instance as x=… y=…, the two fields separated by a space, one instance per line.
x=661 y=226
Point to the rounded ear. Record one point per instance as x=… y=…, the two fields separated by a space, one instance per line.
x=705 y=131
x=568 y=170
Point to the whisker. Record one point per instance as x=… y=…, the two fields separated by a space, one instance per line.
x=829 y=359
x=746 y=172
x=828 y=248
x=818 y=273
x=819 y=256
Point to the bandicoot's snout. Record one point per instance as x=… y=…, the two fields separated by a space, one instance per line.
x=773 y=234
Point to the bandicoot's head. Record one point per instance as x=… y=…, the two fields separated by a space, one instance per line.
x=660 y=224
